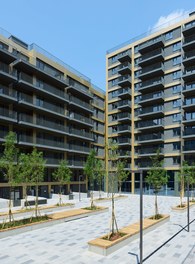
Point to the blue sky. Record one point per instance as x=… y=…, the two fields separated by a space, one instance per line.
x=79 y=32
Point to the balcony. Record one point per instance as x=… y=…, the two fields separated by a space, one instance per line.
x=124 y=92
x=189 y=74
x=150 y=71
x=50 y=108
x=76 y=163
x=151 y=57
x=124 y=116
x=151 y=44
x=3 y=134
x=155 y=124
x=8 y=115
x=124 y=153
x=81 y=119
x=152 y=111
x=25 y=100
x=189 y=118
x=81 y=133
x=151 y=138
x=189 y=28
x=189 y=89
x=189 y=148
x=123 y=129
x=25 y=140
x=151 y=85
x=25 y=119
x=189 y=42
x=5 y=55
x=189 y=132
x=124 y=80
x=124 y=56
x=124 y=68
x=189 y=58
x=149 y=152
x=52 y=126
x=80 y=104
x=8 y=95
x=7 y=74
x=79 y=149
x=79 y=90
x=51 y=144
x=124 y=104
x=49 y=76
x=152 y=98
x=124 y=141
x=189 y=104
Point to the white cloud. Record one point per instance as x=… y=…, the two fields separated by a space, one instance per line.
x=168 y=20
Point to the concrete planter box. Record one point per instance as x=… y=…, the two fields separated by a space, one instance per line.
x=105 y=247
x=182 y=209
x=56 y=218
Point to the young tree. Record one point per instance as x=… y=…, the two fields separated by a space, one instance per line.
x=24 y=172
x=113 y=159
x=63 y=175
x=156 y=177
x=183 y=178
x=122 y=174
x=37 y=172
x=192 y=180
x=89 y=172
x=8 y=165
x=99 y=171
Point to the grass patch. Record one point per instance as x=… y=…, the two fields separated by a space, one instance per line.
x=92 y=208
x=63 y=204
x=22 y=222
x=181 y=206
x=156 y=217
x=114 y=236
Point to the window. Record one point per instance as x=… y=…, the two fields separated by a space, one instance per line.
x=114 y=94
x=114 y=71
x=114 y=82
x=176 y=117
x=114 y=59
x=114 y=106
x=136 y=49
x=176 y=132
x=137 y=86
x=176 y=103
x=176 y=146
x=114 y=117
x=176 y=60
x=114 y=129
x=176 y=75
x=176 y=46
x=136 y=61
x=169 y=35
x=176 y=160
x=176 y=89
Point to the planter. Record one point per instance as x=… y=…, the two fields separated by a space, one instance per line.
x=106 y=247
x=102 y=200
x=55 y=218
x=182 y=209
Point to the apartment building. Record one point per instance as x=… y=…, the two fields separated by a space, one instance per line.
x=151 y=100
x=50 y=106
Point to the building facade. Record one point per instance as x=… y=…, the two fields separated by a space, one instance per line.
x=150 y=100
x=51 y=106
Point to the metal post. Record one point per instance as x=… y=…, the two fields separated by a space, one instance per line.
x=141 y=217
x=188 y=202
x=79 y=188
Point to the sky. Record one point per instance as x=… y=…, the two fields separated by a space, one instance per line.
x=79 y=32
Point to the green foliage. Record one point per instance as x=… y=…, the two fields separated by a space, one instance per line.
x=122 y=174
x=99 y=171
x=156 y=176
x=90 y=165
x=63 y=173
x=37 y=166
x=8 y=162
x=25 y=168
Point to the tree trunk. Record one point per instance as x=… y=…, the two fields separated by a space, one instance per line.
x=113 y=216
x=120 y=185
x=36 y=202
x=99 y=193
x=181 y=191
x=60 y=196
x=92 y=204
x=10 y=205
x=156 y=205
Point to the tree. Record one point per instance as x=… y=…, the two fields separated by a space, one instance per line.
x=156 y=177
x=37 y=172
x=183 y=178
x=24 y=172
x=122 y=174
x=113 y=158
x=99 y=171
x=89 y=172
x=63 y=175
x=8 y=164
x=192 y=179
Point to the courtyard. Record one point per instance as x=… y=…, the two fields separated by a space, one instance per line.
x=67 y=242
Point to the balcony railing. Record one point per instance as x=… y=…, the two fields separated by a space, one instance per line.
x=189 y=39
x=25 y=118
x=189 y=86
x=124 y=103
x=79 y=148
x=76 y=163
x=189 y=54
x=151 y=96
x=7 y=69
x=25 y=98
x=52 y=125
x=189 y=131
x=50 y=107
x=51 y=143
x=124 y=128
x=151 y=123
x=124 y=91
x=124 y=140
x=152 y=82
x=80 y=103
x=124 y=153
x=150 y=137
x=81 y=133
x=8 y=93
x=145 y=151
x=124 y=115
x=4 y=112
x=81 y=118
x=150 y=110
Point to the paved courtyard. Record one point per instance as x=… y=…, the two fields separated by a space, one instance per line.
x=67 y=242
